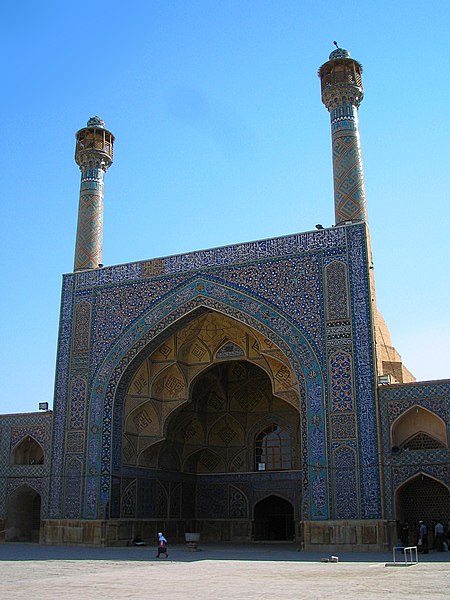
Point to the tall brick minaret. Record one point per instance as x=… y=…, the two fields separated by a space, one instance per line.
x=342 y=93
x=94 y=155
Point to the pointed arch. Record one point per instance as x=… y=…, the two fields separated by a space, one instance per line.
x=27 y=452
x=422 y=497
x=273 y=518
x=23 y=514
x=159 y=323
x=417 y=428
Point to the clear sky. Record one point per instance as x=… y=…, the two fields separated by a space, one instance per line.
x=221 y=137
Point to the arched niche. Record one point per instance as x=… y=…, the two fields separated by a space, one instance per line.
x=273 y=519
x=27 y=452
x=419 y=428
x=422 y=498
x=23 y=515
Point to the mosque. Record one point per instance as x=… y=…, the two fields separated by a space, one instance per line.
x=245 y=393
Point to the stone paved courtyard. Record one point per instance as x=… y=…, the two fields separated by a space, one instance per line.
x=216 y=572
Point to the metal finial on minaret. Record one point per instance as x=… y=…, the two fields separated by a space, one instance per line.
x=94 y=155
x=342 y=93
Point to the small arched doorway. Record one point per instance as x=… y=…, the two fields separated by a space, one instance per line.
x=23 y=516
x=422 y=499
x=273 y=520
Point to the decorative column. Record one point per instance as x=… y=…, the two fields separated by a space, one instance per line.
x=94 y=155
x=342 y=93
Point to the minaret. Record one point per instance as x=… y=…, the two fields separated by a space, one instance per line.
x=94 y=155
x=342 y=93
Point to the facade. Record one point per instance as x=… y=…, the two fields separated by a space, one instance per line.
x=235 y=392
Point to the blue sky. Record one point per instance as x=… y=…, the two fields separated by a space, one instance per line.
x=221 y=137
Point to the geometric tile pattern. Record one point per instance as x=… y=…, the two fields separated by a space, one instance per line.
x=88 y=251
x=349 y=190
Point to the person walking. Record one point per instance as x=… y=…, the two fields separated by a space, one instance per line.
x=162 y=546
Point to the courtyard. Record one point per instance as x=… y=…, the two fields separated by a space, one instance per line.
x=216 y=572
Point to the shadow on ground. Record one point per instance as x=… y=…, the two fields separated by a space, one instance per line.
x=12 y=551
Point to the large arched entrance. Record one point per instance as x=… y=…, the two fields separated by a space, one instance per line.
x=274 y=520
x=210 y=421
x=422 y=499
x=23 y=515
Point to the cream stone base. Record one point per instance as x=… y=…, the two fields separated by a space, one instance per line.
x=347 y=536
x=312 y=536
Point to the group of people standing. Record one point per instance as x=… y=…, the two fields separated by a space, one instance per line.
x=440 y=536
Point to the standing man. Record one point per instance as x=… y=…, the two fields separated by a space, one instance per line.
x=439 y=536
x=423 y=537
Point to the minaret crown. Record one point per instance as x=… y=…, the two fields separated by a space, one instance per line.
x=339 y=53
x=96 y=122
x=341 y=79
x=94 y=146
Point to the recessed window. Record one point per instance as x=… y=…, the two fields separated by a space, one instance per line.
x=273 y=449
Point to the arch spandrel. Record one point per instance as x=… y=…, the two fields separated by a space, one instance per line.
x=148 y=333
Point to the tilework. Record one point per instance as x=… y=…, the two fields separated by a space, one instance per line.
x=345 y=480
x=77 y=403
x=72 y=488
x=341 y=382
x=364 y=375
x=13 y=429
x=82 y=327
x=88 y=250
x=349 y=189
x=336 y=287
x=395 y=400
x=276 y=287
x=60 y=398
x=38 y=432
